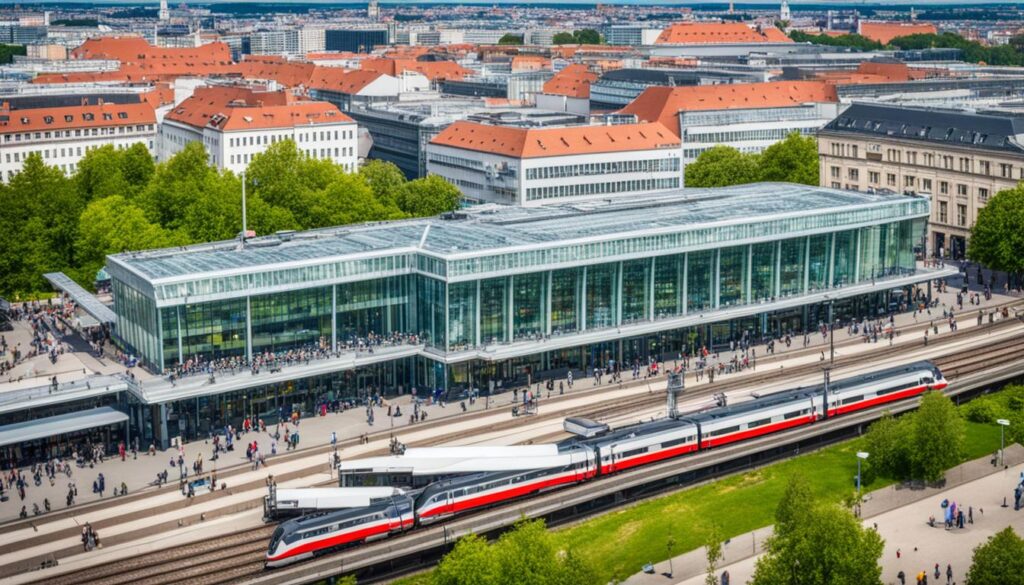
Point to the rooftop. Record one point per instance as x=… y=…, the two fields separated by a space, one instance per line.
x=491 y=229
x=704 y=33
x=73 y=117
x=884 y=32
x=555 y=141
x=992 y=131
x=241 y=108
x=573 y=81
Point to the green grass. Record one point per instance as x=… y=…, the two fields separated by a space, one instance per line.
x=619 y=543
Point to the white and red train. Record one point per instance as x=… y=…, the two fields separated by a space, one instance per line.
x=589 y=459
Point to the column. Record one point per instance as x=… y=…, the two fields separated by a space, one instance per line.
x=778 y=269
x=650 y=292
x=583 y=302
x=180 y=353
x=476 y=338
x=248 y=328
x=547 y=304
x=716 y=275
x=856 y=260
x=685 y=283
x=447 y=323
x=334 y=317
x=618 y=295
x=509 y=305
x=831 y=262
x=807 y=265
x=748 y=286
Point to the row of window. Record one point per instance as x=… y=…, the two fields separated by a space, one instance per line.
x=47 y=154
x=264 y=139
x=961 y=213
x=727 y=137
x=579 y=189
x=99 y=131
x=457 y=162
x=310 y=152
x=910 y=183
x=654 y=165
x=963 y=164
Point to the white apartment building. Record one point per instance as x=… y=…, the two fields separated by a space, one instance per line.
x=287 y=42
x=235 y=123
x=750 y=130
x=62 y=135
x=535 y=166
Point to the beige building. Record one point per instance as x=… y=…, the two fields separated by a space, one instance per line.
x=958 y=159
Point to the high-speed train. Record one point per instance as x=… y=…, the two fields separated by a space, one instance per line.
x=590 y=459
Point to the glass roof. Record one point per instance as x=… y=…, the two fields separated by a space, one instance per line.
x=494 y=227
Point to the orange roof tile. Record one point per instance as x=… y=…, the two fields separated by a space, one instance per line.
x=241 y=108
x=663 y=104
x=287 y=73
x=432 y=70
x=573 y=81
x=704 y=33
x=530 y=63
x=340 y=80
x=562 y=141
x=74 y=117
x=884 y=32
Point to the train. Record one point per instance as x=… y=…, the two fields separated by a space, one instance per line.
x=589 y=459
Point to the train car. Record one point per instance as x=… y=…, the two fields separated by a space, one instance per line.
x=889 y=385
x=282 y=502
x=768 y=414
x=453 y=496
x=305 y=537
x=642 y=444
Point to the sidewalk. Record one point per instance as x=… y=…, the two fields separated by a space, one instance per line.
x=900 y=515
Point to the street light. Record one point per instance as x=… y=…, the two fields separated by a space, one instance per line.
x=860 y=455
x=1003 y=423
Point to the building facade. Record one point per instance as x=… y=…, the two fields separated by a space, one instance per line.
x=958 y=159
x=235 y=124
x=533 y=166
x=62 y=135
x=492 y=298
x=355 y=40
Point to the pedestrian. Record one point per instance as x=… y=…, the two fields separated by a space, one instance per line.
x=949 y=574
x=901 y=577
x=334 y=439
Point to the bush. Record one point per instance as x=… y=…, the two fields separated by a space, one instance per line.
x=981 y=410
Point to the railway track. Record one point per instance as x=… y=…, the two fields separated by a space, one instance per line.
x=237 y=556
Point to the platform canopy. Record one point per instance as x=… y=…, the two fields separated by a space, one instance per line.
x=50 y=426
x=86 y=300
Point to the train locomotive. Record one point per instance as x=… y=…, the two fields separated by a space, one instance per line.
x=589 y=459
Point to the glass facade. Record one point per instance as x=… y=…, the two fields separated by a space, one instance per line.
x=465 y=314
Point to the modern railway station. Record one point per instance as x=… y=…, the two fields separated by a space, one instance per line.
x=494 y=297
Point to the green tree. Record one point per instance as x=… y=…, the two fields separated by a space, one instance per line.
x=99 y=174
x=587 y=36
x=511 y=39
x=890 y=443
x=791 y=512
x=385 y=179
x=112 y=225
x=137 y=166
x=853 y=40
x=996 y=237
x=7 y=52
x=526 y=555
x=712 y=553
x=471 y=562
x=284 y=177
x=1000 y=561
x=721 y=166
x=938 y=436
x=826 y=546
x=348 y=199
x=428 y=196
x=176 y=184
x=563 y=38
x=793 y=160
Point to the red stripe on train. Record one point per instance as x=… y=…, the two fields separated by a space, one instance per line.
x=338 y=540
x=756 y=432
x=646 y=458
x=513 y=492
x=909 y=392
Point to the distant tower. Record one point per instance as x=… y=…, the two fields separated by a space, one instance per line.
x=913 y=14
x=784 y=11
x=164 y=13
x=731 y=11
x=373 y=10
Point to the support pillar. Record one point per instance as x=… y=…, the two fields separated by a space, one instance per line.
x=715 y=283
x=685 y=284
x=807 y=265
x=509 y=305
x=650 y=292
x=778 y=269
x=617 y=320
x=832 y=263
x=248 y=328
x=334 y=317
x=546 y=309
x=476 y=316
x=748 y=285
x=583 y=301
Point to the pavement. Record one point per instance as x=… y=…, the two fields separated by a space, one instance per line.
x=900 y=515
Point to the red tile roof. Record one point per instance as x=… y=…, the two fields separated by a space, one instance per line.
x=663 y=104
x=342 y=81
x=241 y=108
x=530 y=63
x=135 y=49
x=562 y=141
x=75 y=117
x=573 y=81
x=884 y=32
x=287 y=73
x=704 y=33
x=432 y=70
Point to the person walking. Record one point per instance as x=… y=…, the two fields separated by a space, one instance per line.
x=949 y=574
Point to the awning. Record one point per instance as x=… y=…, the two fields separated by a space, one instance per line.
x=42 y=428
x=86 y=300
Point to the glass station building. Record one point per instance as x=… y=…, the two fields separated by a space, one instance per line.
x=502 y=295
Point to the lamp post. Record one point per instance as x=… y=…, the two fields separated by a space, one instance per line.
x=1003 y=423
x=860 y=455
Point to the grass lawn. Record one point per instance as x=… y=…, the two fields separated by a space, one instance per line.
x=619 y=543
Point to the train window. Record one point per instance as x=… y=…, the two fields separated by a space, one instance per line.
x=853 y=399
x=675 y=442
x=725 y=431
x=927 y=380
x=794 y=414
x=758 y=423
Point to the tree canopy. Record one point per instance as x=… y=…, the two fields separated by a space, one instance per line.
x=510 y=39
x=818 y=543
x=119 y=200
x=972 y=51
x=1000 y=560
x=525 y=555
x=793 y=160
x=586 y=36
x=918 y=445
x=851 y=40
x=996 y=237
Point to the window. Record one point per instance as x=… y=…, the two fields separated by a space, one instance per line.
x=873 y=176
x=853 y=150
x=984 y=167
x=854 y=174
x=890 y=179
x=837 y=185
x=909 y=181
x=961 y=190
x=912 y=157
x=961 y=215
x=982 y=194
x=835 y=172
x=1006 y=170
x=943 y=212
x=965 y=164
x=926 y=185
x=944 y=187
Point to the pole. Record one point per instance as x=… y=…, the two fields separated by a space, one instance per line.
x=832 y=334
x=243 y=208
x=858 y=479
x=1002 y=430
